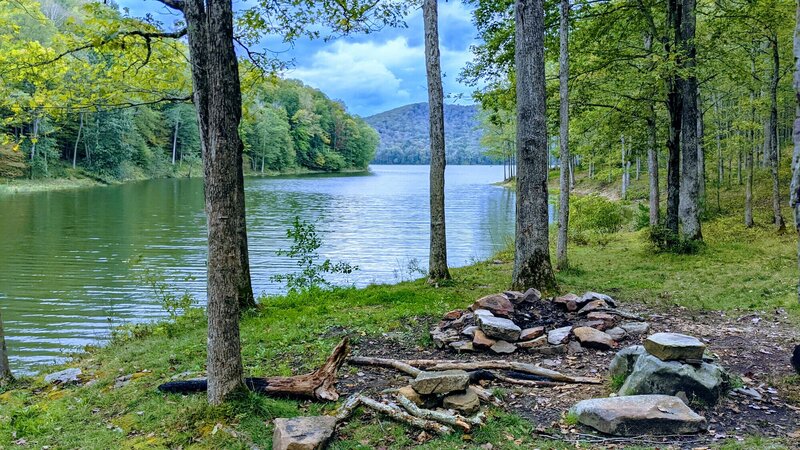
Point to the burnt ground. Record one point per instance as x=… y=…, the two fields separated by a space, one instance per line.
x=753 y=347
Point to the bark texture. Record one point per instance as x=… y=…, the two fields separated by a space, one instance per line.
x=215 y=77
x=689 y=208
x=5 y=369
x=654 y=196
x=532 y=266
x=437 y=266
x=794 y=190
x=772 y=139
x=562 y=262
x=674 y=106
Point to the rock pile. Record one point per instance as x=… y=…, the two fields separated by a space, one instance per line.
x=504 y=323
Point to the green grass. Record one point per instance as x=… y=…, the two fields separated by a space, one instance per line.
x=739 y=269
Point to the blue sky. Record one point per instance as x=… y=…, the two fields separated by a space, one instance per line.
x=370 y=73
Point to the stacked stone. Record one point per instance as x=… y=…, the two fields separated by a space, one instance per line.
x=493 y=323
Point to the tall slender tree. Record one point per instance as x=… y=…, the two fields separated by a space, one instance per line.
x=674 y=106
x=772 y=134
x=562 y=262
x=689 y=204
x=794 y=190
x=532 y=266
x=437 y=266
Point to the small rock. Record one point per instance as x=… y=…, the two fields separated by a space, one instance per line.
x=538 y=342
x=568 y=301
x=550 y=350
x=592 y=306
x=481 y=341
x=596 y=324
x=409 y=393
x=639 y=414
x=531 y=295
x=498 y=304
x=591 y=296
x=617 y=333
x=674 y=347
x=531 y=333
x=605 y=317
x=441 y=338
x=63 y=377
x=454 y=314
x=574 y=347
x=462 y=346
x=499 y=328
x=482 y=312
x=559 y=335
x=303 y=433
x=750 y=392
x=592 y=338
x=514 y=296
x=470 y=330
x=443 y=382
x=466 y=403
x=635 y=328
x=503 y=347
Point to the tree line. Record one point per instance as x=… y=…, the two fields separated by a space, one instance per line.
x=121 y=109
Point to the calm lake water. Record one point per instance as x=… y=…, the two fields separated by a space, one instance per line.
x=66 y=277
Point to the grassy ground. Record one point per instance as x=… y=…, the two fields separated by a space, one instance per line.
x=739 y=269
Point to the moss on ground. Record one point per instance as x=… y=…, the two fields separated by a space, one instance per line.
x=739 y=269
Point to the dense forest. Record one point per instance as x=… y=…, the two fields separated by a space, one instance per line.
x=105 y=113
x=405 y=140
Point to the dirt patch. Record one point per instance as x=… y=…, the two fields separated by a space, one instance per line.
x=755 y=348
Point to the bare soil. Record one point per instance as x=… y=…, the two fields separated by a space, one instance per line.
x=753 y=347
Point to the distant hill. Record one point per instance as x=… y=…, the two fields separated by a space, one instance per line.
x=404 y=135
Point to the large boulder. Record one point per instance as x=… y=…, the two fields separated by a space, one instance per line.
x=303 y=433
x=593 y=338
x=622 y=364
x=674 y=347
x=639 y=414
x=651 y=375
x=443 y=382
x=498 y=304
x=499 y=328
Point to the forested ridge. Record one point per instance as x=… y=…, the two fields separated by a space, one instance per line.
x=123 y=110
x=405 y=140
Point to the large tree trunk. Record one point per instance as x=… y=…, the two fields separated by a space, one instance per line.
x=437 y=266
x=780 y=224
x=794 y=190
x=674 y=106
x=77 y=140
x=652 y=152
x=532 y=267
x=701 y=153
x=5 y=369
x=564 y=176
x=749 y=162
x=689 y=210
x=218 y=99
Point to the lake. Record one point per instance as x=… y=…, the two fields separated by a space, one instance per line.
x=66 y=272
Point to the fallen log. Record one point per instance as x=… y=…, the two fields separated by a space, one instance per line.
x=393 y=411
x=318 y=385
x=438 y=365
x=384 y=362
x=455 y=420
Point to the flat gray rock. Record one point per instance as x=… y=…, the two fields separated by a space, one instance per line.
x=617 y=333
x=674 y=347
x=559 y=335
x=499 y=328
x=503 y=347
x=635 y=327
x=590 y=296
x=63 y=377
x=303 y=433
x=592 y=338
x=467 y=402
x=639 y=414
x=443 y=382
x=469 y=331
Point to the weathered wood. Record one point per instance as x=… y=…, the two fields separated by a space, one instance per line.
x=384 y=362
x=525 y=382
x=437 y=416
x=318 y=385
x=396 y=413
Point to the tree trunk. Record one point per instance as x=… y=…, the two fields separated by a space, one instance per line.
x=748 y=163
x=218 y=99
x=564 y=176
x=689 y=209
x=532 y=267
x=674 y=106
x=794 y=190
x=701 y=153
x=778 y=221
x=175 y=141
x=5 y=369
x=718 y=138
x=652 y=168
x=437 y=265
x=77 y=141
x=624 y=169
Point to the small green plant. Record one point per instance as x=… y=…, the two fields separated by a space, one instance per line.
x=617 y=381
x=593 y=213
x=665 y=240
x=173 y=304
x=571 y=419
x=305 y=250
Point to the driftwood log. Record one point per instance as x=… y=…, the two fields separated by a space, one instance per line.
x=393 y=411
x=318 y=385
x=412 y=367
